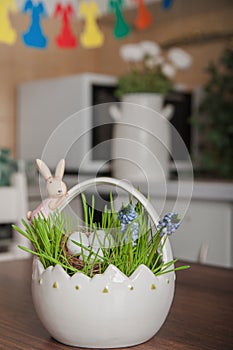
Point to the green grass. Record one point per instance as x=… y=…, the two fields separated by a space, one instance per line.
x=45 y=235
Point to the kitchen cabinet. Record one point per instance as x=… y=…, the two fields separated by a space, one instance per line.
x=206 y=231
x=13 y=207
x=205 y=234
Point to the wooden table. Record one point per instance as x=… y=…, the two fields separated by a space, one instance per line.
x=201 y=316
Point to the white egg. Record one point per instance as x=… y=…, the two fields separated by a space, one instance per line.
x=131 y=53
x=101 y=238
x=80 y=238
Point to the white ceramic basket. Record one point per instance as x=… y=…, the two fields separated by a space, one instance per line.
x=109 y=310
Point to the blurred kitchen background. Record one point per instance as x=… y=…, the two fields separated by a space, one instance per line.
x=42 y=86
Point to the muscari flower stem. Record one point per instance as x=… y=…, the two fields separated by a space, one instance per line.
x=157 y=240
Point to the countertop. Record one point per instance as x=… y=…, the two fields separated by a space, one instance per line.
x=203 y=190
x=200 y=316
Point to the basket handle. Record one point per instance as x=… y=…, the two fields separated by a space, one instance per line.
x=79 y=188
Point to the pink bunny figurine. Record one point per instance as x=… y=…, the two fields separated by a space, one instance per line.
x=56 y=188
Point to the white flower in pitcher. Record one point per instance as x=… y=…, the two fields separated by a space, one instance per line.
x=153 y=62
x=131 y=53
x=168 y=70
x=180 y=58
x=149 y=48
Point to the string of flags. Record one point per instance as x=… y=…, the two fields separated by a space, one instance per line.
x=66 y=38
x=67 y=10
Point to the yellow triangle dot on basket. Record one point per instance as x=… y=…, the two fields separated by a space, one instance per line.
x=55 y=285
x=77 y=287
x=105 y=290
x=153 y=287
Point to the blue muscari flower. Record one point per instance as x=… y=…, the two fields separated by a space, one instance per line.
x=126 y=217
x=168 y=224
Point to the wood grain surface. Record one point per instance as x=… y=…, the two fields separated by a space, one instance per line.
x=200 y=317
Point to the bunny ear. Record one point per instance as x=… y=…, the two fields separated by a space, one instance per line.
x=60 y=169
x=43 y=169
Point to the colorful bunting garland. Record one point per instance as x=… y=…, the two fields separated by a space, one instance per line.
x=144 y=18
x=167 y=4
x=7 y=34
x=91 y=37
x=64 y=10
x=34 y=37
x=121 y=28
x=66 y=38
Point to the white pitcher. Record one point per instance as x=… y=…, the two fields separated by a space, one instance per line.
x=141 y=138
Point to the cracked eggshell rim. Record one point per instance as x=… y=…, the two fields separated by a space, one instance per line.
x=106 y=311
